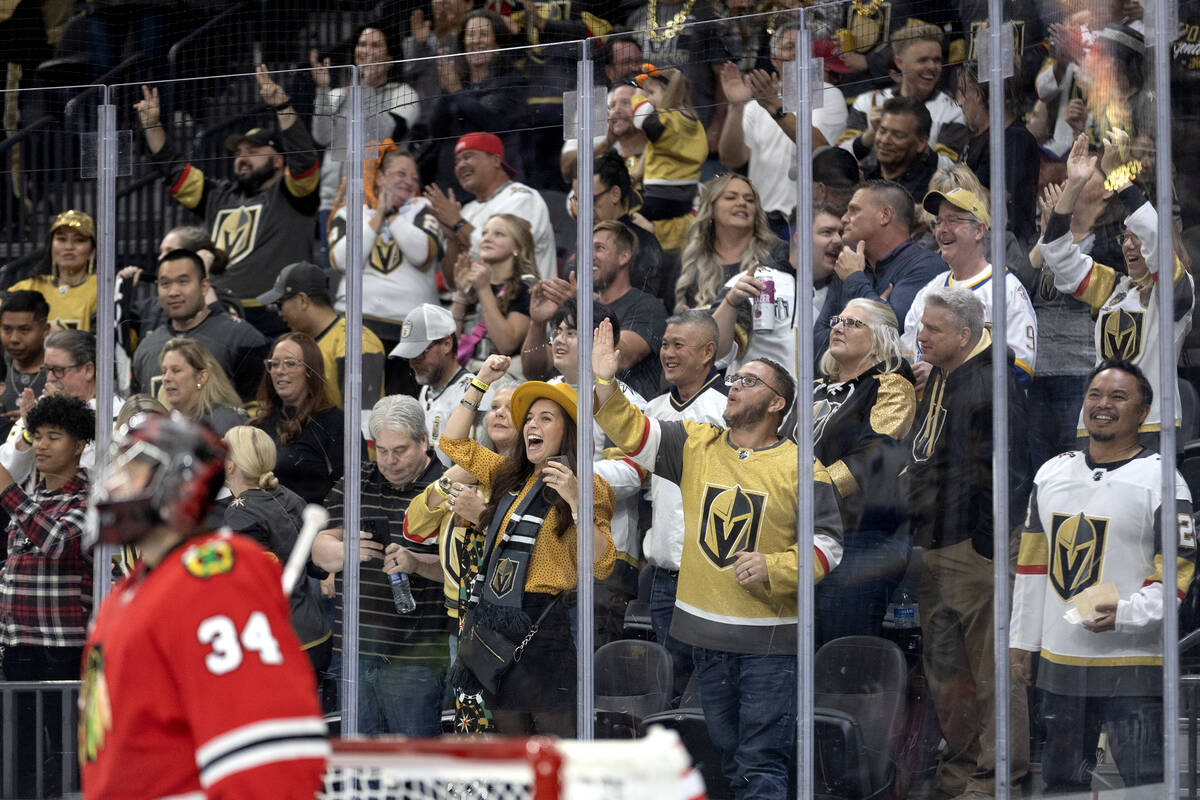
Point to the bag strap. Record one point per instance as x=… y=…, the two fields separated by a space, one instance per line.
x=519 y=650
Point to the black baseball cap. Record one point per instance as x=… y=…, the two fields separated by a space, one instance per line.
x=255 y=136
x=294 y=279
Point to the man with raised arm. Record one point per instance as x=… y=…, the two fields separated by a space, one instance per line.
x=738 y=575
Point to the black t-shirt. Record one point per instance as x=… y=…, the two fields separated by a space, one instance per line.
x=644 y=315
x=15 y=383
x=310 y=463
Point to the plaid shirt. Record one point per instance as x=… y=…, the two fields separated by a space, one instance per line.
x=46 y=583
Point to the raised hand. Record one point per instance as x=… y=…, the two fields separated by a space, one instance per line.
x=561 y=479
x=546 y=297
x=1080 y=165
x=443 y=205
x=1049 y=199
x=320 y=69
x=747 y=287
x=736 y=88
x=271 y=92
x=1076 y=115
x=495 y=367
x=606 y=356
x=1116 y=150
x=462 y=271
x=419 y=27
x=148 y=108
x=479 y=276
x=851 y=261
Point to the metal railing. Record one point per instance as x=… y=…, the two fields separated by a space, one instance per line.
x=37 y=739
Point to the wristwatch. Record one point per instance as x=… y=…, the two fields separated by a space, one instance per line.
x=458 y=225
x=778 y=113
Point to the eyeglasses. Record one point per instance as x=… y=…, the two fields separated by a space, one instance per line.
x=849 y=322
x=749 y=382
x=953 y=221
x=567 y=334
x=1123 y=238
x=288 y=364
x=59 y=372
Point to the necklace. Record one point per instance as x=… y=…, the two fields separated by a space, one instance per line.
x=661 y=33
x=870 y=11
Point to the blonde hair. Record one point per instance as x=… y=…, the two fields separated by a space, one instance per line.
x=137 y=404
x=913 y=33
x=524 y=263
x=700 y=270
x=955 y=176
x=885 y=338
x=677 y=90
x=253 y=453
x=216 y=392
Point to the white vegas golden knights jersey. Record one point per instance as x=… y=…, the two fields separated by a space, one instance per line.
x=1128 y=323
x=1090 y=524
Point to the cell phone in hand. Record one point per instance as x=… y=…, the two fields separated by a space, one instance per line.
x=380 y=529
x=548 y=493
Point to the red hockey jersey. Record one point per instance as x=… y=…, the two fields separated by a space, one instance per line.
x=195 y=686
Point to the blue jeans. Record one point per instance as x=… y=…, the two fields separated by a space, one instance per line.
x=1054 y=403
x=749 y=706
x=1073 y=728
x=853 y=598
x=398 y=698
x=663 y=585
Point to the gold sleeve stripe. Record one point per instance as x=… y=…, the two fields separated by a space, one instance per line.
x=843 y=479
x=305 y=183
x=948 y=152
x=188 y=190
x=895 y=406
x=1034 y=555
x=848 y=134
x=1021 y=365
x=1097 y=286
x=1183 y=574
x=595 y=25
x=1180 y=271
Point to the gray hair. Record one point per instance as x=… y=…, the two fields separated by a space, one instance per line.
x=700 y=317
x=398 y=412
x=885 y=337
x=80 y=345
x=962 y=304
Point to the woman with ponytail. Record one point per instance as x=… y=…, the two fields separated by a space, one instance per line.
x=270 y=514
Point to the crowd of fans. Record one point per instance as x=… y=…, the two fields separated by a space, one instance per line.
x=470 y=367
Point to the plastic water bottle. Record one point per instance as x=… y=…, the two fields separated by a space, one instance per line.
x=902 y=622
x=402 y=594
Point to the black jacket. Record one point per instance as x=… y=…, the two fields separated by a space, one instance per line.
x=273 y=519
x=948 y=482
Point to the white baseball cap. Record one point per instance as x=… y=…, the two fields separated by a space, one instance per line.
x=423 y=326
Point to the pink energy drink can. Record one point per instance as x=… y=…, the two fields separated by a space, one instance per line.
x=764 y=307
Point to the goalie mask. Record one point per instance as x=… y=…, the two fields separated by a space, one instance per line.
x=163 y=470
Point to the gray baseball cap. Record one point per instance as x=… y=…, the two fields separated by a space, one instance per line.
x=423 y=326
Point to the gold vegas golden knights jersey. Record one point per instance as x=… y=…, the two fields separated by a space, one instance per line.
x=734 y=500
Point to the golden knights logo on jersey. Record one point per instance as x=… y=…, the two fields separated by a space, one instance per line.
x=236 y=229
x=930 y=432
x=730 y=522
x=1076 y=552
x=95 y=707
x=1121 y=334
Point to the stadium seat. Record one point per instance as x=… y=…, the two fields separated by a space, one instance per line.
x=1189 y=466
x=1189 y=423
x=637 y=613
x=633 y=680
x=860 y=689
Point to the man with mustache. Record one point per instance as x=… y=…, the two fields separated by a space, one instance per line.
x=263 y=220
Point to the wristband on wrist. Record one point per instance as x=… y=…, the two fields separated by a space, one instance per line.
x=1122 y=175
x=480 y=385
x=604 y=381
x=281 y=106
x=442 y=487
x=731 y=305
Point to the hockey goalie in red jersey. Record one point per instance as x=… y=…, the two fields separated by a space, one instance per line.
x=194 y=685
